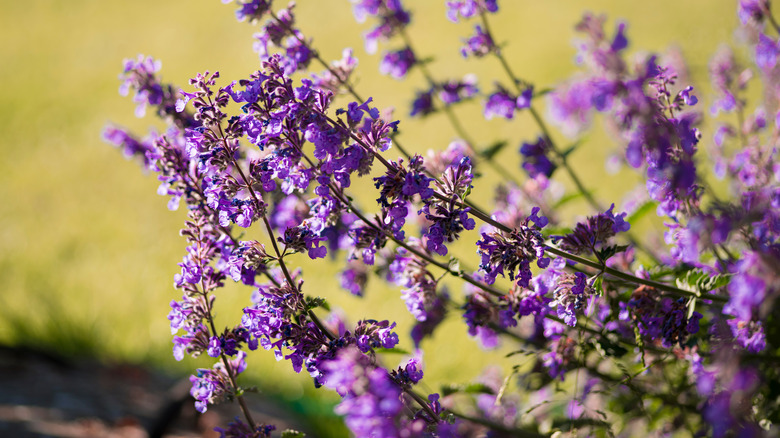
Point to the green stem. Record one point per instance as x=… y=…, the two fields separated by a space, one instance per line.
x=772 y=21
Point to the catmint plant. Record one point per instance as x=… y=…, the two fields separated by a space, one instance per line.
x=611 y=332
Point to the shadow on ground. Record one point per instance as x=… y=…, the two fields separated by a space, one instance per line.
x=45 y=395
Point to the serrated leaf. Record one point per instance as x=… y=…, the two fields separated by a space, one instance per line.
x=290 y=433
x=489 y=152
x=700 y=282
x=640 y=212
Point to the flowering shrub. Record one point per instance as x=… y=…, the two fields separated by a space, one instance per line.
x=674 y=338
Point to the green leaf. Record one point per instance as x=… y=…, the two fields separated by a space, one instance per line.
x=567 y=198
x=290 y=433
x=571 y=148
x=555 y=231
x=393 y=350
x=315 y=302
x=597 y=285
x=640 y=212
x=543 y=91
x=454 y=264
x=471 y=388
x=521 y=351
x=608 y=348
x=609 y=251
x=489 y=152
x=700 y=282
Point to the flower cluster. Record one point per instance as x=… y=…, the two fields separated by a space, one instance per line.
x=514 y=251
x=588 y=302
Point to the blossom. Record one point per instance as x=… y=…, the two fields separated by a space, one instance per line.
x=571 y=294
x=479 y=44
x=455 y=91
x=595 y=233
x=535 y=160
x=397 y=63
x=500 y=103
x=469 y=8
x=514 y=251
x=370 y=398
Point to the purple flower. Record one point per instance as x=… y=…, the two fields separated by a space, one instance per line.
x=367 y=240
x=445 y=211
x=371 y=400
x=210 y=386
x=131 y=147
x=687 y=97
x=660 y=318
x=748 y=334
x=422 y=104
x=455 y=91
x=448 y=222
x=237 y=429
x=571 y=294
x=514 y=251
x=752 y=10
x=558 y=359
x=418 y=297
x=500 y=103
x=355 y=112
x=479 y=312
x=252 y=10
x=410 y=373
x=298 y=55
x=479 y=44
x=397 y=63
x=469 y=8
x=371 y=334
x=524 y=99
x=751 y=290
x=403 y=183
x=535 y=161
x=301 y=238
x=139 y=74
x=767 y=51
x=354 y=278
x=593 y=234
x=570 y=107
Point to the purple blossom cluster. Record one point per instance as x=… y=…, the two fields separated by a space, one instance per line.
x=514 y=251
x=666 y=320
x=594 y=234
x=469 y=8
x=502 y=103
x=687 y=320
x=449 y=93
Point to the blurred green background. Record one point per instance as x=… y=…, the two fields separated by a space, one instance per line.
x=88 y=250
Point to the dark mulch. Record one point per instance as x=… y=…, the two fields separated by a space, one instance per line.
x=43 y=395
